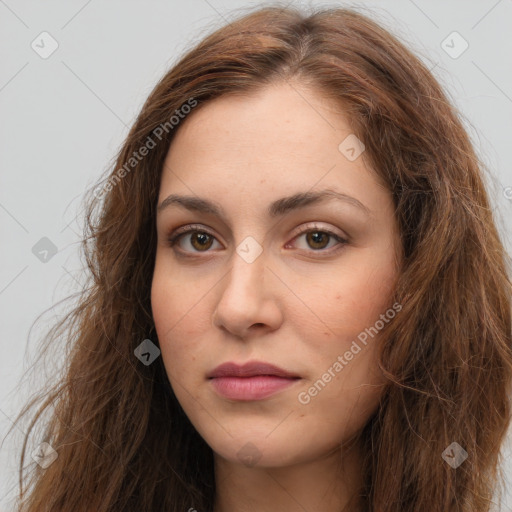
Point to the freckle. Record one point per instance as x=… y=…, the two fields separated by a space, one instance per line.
x=338 y=296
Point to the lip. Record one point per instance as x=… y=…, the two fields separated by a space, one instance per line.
x=255 y=380
x=250 y=369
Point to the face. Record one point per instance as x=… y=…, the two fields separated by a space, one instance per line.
x=243 y=274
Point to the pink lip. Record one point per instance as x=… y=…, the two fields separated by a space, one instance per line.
x=252 y=381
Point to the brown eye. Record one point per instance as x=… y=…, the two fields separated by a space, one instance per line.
x=317 y=239
x=200 y=240
x=191 y=240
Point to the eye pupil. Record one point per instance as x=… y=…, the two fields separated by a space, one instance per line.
x=316 y=237
x=201 y=238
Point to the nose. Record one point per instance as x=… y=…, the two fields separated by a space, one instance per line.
x=248 y=303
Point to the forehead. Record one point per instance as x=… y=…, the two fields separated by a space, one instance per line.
x=281 y=138
x=268 y=122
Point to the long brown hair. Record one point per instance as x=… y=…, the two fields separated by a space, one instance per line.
x=123 y=441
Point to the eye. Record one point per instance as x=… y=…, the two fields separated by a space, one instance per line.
x=201 y=240
x=318 y=239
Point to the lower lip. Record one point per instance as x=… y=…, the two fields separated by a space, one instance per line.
x=250 y=388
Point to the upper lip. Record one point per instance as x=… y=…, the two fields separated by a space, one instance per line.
x=249 y=369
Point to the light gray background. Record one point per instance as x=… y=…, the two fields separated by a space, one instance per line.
x=64 y=117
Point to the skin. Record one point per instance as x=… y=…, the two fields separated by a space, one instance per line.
x=297 y=305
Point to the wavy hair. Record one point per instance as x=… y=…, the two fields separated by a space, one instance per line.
x=124 y=442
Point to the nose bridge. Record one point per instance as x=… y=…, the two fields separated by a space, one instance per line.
x=245 y=300
x=247 y=273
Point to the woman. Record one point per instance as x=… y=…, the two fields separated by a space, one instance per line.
x=344 y=341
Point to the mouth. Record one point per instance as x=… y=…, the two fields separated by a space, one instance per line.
x=252 y=381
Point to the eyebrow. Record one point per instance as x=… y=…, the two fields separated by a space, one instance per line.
x=277 y=208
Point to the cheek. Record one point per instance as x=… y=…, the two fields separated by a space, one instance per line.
x=178 y=300
x=178 y=314
x=348 y=300
x=344 y=319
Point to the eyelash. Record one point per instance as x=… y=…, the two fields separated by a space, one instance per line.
x=180 y=232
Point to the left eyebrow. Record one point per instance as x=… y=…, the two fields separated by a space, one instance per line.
x=277 y=208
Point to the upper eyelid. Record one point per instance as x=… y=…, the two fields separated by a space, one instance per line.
x=185 y=229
